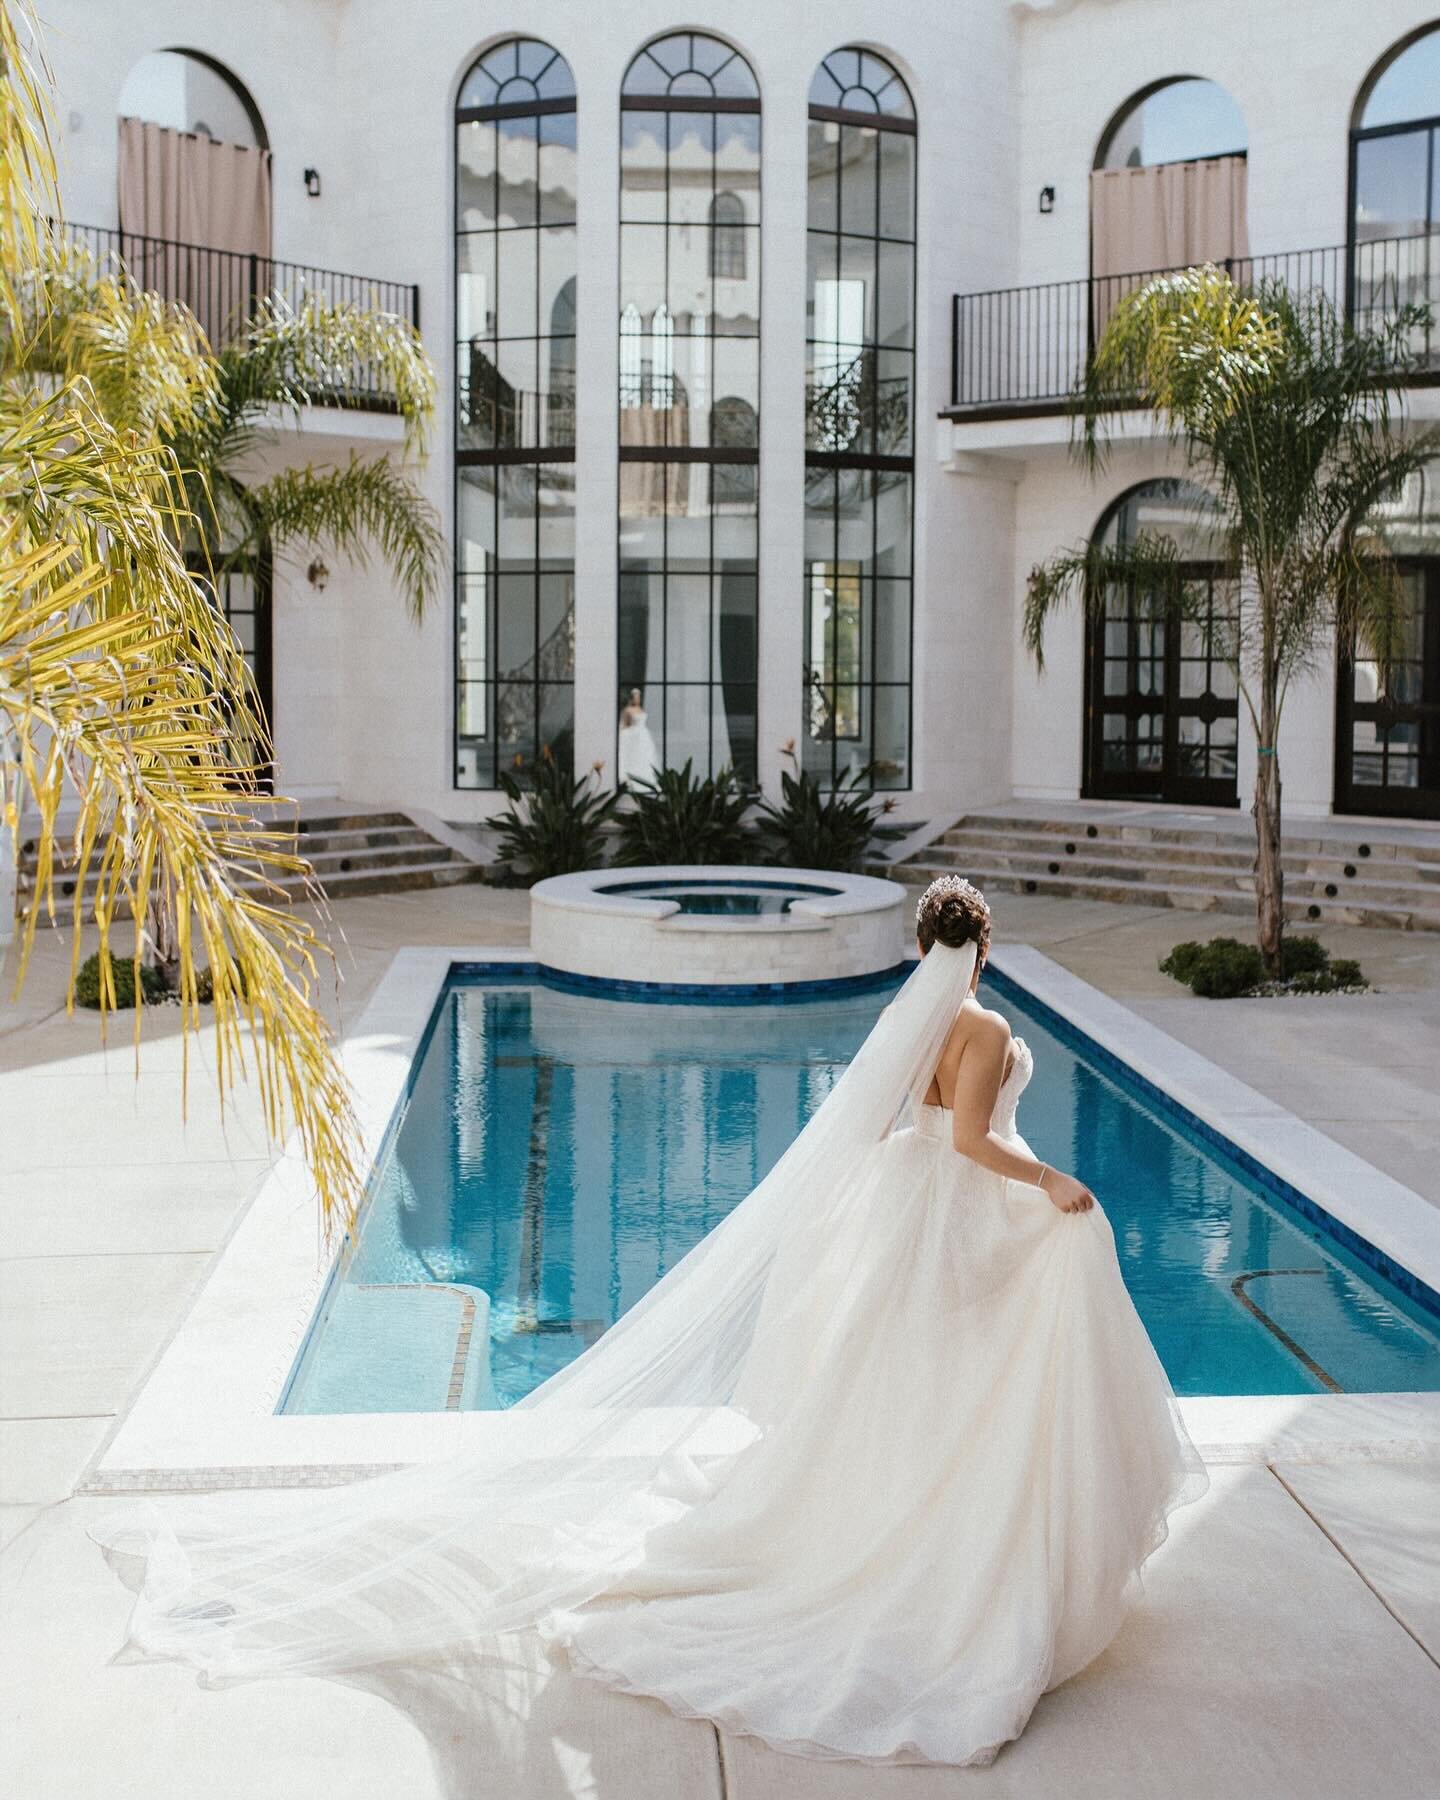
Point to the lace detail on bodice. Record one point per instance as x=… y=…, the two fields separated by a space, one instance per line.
x=934 y=1121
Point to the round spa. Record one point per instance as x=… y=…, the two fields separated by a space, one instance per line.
x=718 y=927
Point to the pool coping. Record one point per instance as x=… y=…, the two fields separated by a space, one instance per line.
x=202 y=1416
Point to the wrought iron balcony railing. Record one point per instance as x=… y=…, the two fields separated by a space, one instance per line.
x=1022 y=350
x=225 y=288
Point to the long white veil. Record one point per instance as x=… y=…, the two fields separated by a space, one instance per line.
x=556 y=1506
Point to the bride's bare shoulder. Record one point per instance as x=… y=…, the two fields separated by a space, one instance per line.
x=977 y=1024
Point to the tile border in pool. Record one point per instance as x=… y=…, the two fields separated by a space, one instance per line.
x=204 y=1415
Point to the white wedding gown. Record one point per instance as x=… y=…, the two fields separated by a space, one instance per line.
x=638 y=756
x=950 y=1449
x=970 y=1451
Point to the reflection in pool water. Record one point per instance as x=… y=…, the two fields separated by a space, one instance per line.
x=561 y=1151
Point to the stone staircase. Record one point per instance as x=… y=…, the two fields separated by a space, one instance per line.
x=352 y=853
x=1335 y=871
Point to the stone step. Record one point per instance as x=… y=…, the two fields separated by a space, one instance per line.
x=329 y=862
x=320 y=843
x=403 y=878
x=350 y=854
x=1334 y=839
x=313 y=824
x=1182 y=896
x=1237 y=855
x=1387 y=891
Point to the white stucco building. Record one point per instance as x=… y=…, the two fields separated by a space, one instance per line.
x=714 y=424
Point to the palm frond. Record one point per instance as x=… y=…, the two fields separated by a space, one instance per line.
x=1089 y=571
x=289 y=356
x=29 y=189
x=123 y=692
x=145 y=357
x=366 y=501
x=117 y=677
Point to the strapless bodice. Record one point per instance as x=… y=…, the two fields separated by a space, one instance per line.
x=934 y=1121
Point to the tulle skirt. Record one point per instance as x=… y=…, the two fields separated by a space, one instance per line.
x=969 y=1450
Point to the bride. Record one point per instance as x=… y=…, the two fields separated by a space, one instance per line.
x=638 y=759
x=870 y=1470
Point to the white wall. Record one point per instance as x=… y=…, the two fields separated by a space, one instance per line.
x=1010 y=97
x=1294 y=70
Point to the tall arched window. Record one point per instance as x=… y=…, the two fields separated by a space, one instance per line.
x=1395 y=189
x=859 y=456
x=689 y=399
x=1161 y=702
x=515 y=413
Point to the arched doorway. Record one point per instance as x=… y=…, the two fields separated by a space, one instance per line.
x=1161 y=701
x=1387 y=732
x=1395 y=190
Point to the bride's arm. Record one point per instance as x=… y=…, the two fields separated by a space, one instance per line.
x=978 y=1076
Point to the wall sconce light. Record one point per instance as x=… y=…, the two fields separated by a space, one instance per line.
x=312 y=183
x=1047 y=199
x=317 y=575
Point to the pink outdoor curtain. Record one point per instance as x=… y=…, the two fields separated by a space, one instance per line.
x=1169 y=216
x=186 y=190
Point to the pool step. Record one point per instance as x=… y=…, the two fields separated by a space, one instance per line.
x=351 y=854
x=1338 y=874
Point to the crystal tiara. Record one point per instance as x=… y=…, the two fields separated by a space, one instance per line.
x=952 y=884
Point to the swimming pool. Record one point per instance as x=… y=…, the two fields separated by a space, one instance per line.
x=558 y=1151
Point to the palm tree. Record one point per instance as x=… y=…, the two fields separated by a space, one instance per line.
x=1293 y=420
x=123 y=692
x=282 y=359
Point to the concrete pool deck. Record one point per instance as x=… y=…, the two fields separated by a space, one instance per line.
x=1288 y=1642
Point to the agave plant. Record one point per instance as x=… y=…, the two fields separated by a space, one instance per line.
x=818 y=828
x=555 y=825
x=680 y=817
x=1293 y=419
x=125 y=701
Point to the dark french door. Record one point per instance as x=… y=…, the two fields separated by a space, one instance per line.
x=1387 y=742
x=1161 y=703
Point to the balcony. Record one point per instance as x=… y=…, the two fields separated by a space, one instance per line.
x=225 y=288
x=1018 y=352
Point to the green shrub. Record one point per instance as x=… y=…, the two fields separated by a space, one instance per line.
x=813 y=828
x=1181 y=961
x=122 y=970
x=1219 y=970
x=680 y=818
x=1225 y=968
x=554 y=826
x=1303 y=956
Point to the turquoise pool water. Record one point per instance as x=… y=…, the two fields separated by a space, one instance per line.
x=558 y=1151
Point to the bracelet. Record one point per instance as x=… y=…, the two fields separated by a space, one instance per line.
x=1044 y=1171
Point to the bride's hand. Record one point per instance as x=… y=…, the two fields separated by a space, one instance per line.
x=1066 y=1193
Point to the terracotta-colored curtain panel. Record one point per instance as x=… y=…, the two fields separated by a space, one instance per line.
x=195 y=220
x=1167 y=217
x=643 y=485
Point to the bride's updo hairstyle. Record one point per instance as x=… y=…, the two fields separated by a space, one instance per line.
x=952 y=911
